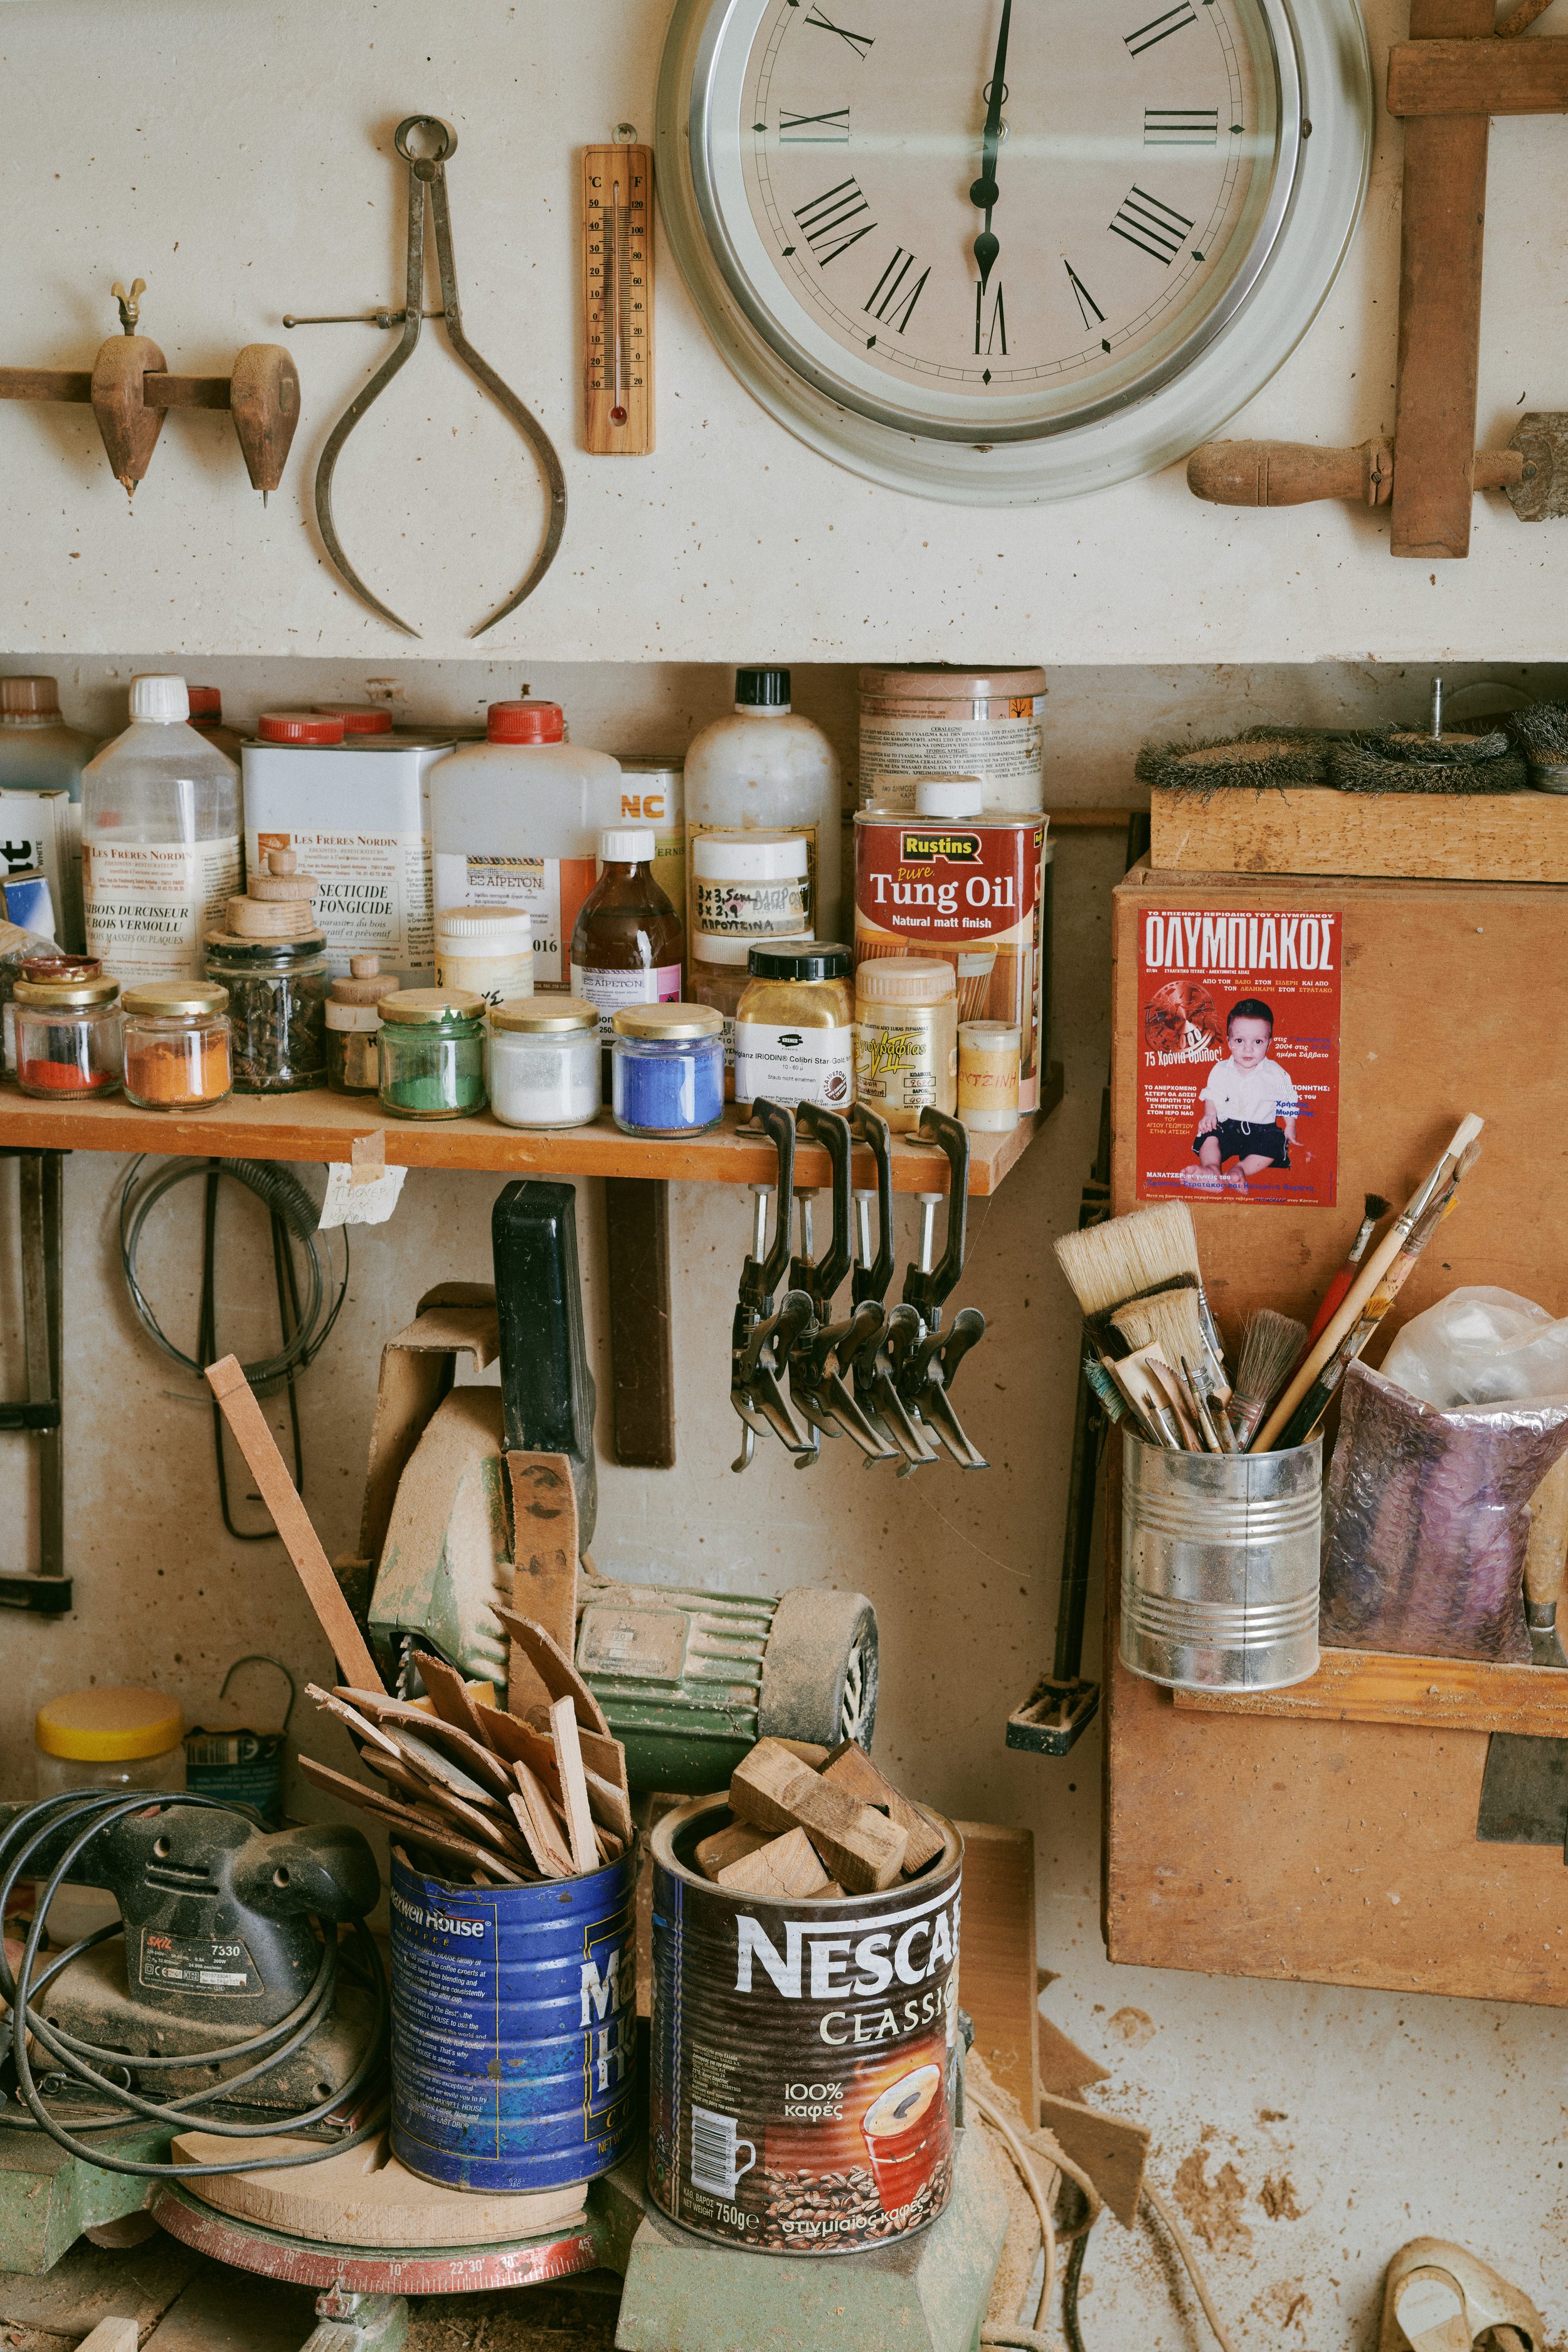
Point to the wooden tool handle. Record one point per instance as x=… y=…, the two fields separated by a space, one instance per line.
x=238 y=1406
x=1289 y=473
x=1548 y=1550
x=1295 y=473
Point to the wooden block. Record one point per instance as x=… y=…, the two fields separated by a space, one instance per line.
x=553 y=1668
x=810 y=1751
x=785 y=1869
x=575 y=1789
x=997 y=1966
x=254 y=1440
x=544 y=1552
x=1379 y=1686
x=850 y=1768
x=1477 y=77
x=717 y=1852
x=1113 y=2151
x=1460 y=836
x=111 y=2336
x=759 y=1781
x=1063 y=2068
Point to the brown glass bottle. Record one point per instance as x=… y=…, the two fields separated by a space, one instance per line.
x=628 y=942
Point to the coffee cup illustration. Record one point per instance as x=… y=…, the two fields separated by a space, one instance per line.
x=903 y=2131
x=716 y=2164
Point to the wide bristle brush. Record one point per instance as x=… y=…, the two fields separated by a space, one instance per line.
x=1129 y=1258
x=1172 y=1321
x=1272 y=1347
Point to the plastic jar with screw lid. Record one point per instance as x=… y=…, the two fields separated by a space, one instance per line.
x=114 y=1738
x=988 y=1055
x=486 y=950
x=541 y=1061
x=906 y=1037
x=747 y=887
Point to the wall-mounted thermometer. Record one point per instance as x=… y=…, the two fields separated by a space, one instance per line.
x=617 y=298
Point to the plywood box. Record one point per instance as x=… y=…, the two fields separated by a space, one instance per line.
x=1461 y=836
x=1336 y=1850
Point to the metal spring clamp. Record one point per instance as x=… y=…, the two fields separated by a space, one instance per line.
x=876 y=1379
x=760 y=1339
x=428 y=173
x=926 y=1358
x=825 y=1355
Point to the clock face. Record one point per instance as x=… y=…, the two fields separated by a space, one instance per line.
x=998 y=223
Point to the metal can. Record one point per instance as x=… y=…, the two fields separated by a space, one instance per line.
x=968 y=888
x=513 y=2028
x=1220 y=1557
x=936 y=721
x=804 y=2053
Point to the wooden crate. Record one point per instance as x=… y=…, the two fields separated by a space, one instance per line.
x=1308 y=1840
x=1465 y=837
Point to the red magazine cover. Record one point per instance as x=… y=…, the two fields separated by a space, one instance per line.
x=1238 y=1052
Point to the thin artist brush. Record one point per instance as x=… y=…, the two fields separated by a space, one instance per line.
x=1375 y=1209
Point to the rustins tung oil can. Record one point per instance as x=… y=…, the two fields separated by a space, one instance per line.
x=804 y=2053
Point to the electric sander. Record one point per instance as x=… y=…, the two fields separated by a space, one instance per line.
x=223 y=1996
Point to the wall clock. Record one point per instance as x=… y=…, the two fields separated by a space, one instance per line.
x=1000 y=251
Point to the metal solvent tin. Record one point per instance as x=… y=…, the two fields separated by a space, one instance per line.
x=514 y=2029
x=1220 y=1556
x=804 y=2053
x=932 y=720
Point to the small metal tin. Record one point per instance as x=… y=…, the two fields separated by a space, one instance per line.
x=1220 y=1563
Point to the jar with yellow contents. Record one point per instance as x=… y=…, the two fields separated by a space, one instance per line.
x=795 y=1025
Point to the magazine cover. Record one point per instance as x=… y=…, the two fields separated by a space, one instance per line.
x=1238 y=1018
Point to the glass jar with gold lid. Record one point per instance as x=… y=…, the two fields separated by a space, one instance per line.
x=68 y=1036
x=668 y=1068
x=176 y=1045
x=795 y=1025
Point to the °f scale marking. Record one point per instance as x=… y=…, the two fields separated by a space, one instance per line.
x=618 y=301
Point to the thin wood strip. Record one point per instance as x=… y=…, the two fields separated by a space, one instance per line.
x=1458 y=78
x=569 y=1757
x=254 y=1440
x=448 y=1695
x=403 y=1817
x=555 y=1668
x=401 y=1714
x=1376 y=1687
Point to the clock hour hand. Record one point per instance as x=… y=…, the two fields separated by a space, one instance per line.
x=983 y=192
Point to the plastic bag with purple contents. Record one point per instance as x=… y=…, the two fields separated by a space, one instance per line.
x=1428 y=1519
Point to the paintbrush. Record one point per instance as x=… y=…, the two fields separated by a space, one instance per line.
x=1375 y=1209
x=1130 y=1257
x=1315 y=1404
x=1369 y=1274
x=1169 y=1320
x=1136 y=1378
x=1113 y=1404
x=1271 y=1345
x=1133 y=1403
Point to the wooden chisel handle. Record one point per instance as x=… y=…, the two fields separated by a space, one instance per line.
x=1295 y=473
x=1548 y=1548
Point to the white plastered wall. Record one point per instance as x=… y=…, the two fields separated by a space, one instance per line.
x=238 y=157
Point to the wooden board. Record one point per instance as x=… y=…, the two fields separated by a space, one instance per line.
x=642 y=1368
x=1345 y=1851
x=321 y=1126
x=1478 y=77
x=1375 y=1686
x=1466 y=838
x=998 y=1982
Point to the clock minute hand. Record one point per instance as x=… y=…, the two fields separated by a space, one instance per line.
x=983 y=192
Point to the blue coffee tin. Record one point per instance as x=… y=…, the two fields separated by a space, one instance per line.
x=514 y=2029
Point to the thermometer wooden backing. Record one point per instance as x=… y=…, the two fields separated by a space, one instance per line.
x=618 y=301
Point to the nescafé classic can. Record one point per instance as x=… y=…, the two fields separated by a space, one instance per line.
x=804 y=2053
x=970 y=889
x=514 y=2029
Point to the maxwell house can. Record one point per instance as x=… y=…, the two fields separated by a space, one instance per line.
x=969 y=889
x=804 y=2053
x=513 y=2028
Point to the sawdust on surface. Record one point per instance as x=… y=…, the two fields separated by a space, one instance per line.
x=1135 y=2027
x=1286 y=2304
x=1279 y=2198
x=1214 y=2209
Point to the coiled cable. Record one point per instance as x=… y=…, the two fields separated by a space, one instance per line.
x=306 y=1323
x=88 y=1812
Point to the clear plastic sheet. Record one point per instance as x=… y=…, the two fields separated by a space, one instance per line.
x=1428 y=1519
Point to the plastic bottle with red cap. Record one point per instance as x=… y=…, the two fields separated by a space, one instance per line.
x=317 y=726
x=517 y=821
x=358 y=717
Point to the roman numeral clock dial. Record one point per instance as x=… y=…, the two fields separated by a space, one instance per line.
x=934 y=236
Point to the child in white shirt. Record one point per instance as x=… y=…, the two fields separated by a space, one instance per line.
x=1249 y=1103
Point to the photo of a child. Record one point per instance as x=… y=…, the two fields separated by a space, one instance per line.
x=1249 y=1105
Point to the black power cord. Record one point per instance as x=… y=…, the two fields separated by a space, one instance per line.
x=306 y=1323
x=23 y=1986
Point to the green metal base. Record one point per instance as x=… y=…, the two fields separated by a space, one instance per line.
x=927 y=2293
x=48 y=2197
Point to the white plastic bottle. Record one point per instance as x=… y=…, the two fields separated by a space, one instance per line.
x=516 y=821
x=40 y=753
x=767 y=769
x=160 y=816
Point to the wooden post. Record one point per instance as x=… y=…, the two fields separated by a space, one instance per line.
x=642 y=1374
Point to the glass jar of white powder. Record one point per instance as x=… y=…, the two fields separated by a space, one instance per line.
x=541 y=1061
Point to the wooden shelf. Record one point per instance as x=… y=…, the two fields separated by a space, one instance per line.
x=322 y=1126
x=1439 y=1694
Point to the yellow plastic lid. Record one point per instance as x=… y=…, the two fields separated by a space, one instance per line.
x=108 y=1726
